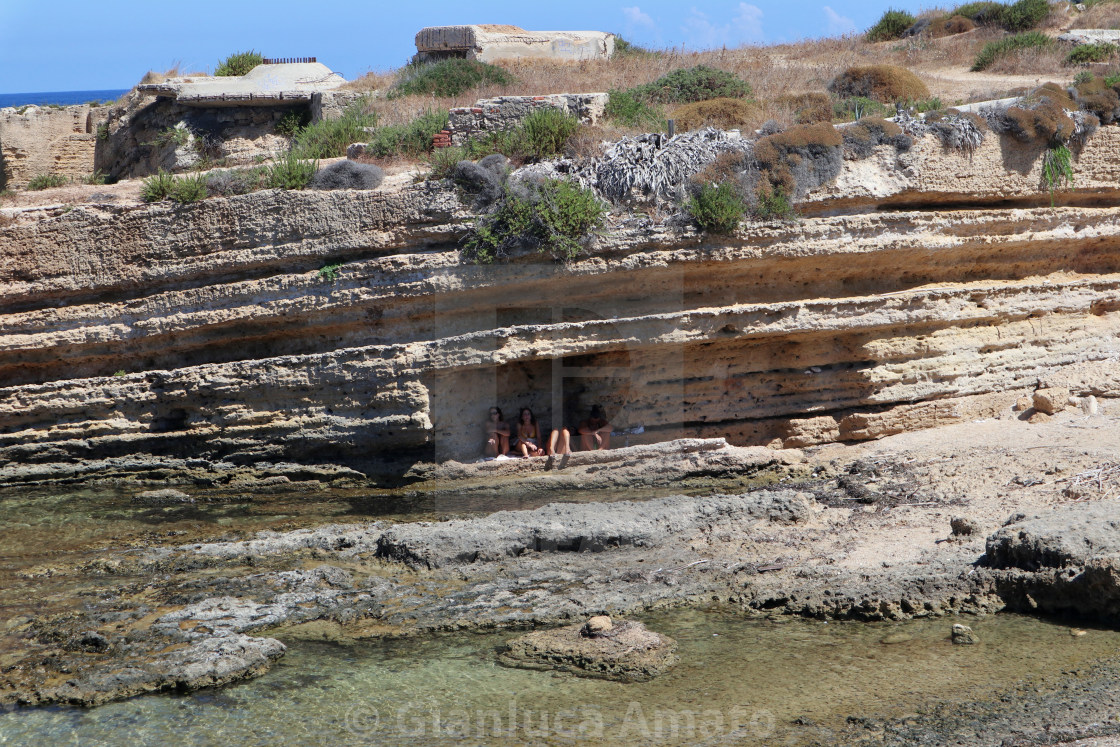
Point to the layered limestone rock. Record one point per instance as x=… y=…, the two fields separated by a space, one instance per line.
x=207 y=331
x=36 y=141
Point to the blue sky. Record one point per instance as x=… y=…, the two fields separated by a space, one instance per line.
x=61 y=45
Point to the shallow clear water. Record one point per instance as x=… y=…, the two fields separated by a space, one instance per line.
x=742 y=681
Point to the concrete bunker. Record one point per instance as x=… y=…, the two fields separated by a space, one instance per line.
x=490 y=42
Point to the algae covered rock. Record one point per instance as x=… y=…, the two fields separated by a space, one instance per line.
x=622 y=650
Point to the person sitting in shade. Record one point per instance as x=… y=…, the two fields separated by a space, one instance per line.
x=497 y=433
x=594 y=433
x=528 y=435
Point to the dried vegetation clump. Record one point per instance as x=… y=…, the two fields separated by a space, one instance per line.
x=724 y=113
x=1095 y=95
x=1039 y=117
x=883 y=83
x=861 y=139
x=795 y=161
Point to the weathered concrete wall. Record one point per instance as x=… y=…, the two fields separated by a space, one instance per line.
x=506 y=112
x=35 y=141
x=490 y=42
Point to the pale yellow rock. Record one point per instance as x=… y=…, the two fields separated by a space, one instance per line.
x=1051 y=400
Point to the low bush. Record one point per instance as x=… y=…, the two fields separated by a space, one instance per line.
x=950 y=26
x=858 y=107
x=629 y=110
x=724 y=114
x=1095 y=95
x=187 y=189
x=412 y=139
x=809 y=108
x=347 y=175
x=716 y=208
x=290 y=171
x=795 y=161
x=698 y=83
x=545 y=131
x=293 y=121
x=1040 y=117
x=97 y=177
x=987 y=12
x=995 y=50
x=891 y=25
x=883 y=83
x=623 y=48
x=329 y=138
x=449 y=77
x=1024 y=15
x=1083 y=54
x=156 y=187
x=485 y=180
x=235 y=182
x=239 y=63
x=772 y=204
x=554 y=216
x=1057 y=167
x=442 y=161
x=861 y=139
x=46 y=181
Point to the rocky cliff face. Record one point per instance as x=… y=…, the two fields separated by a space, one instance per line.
x=922 y=288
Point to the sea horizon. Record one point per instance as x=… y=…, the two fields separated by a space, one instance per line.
x=60 y=98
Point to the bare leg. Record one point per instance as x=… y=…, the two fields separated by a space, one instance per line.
x=585 y=441
x=524 y=448
x=492 y=446
x=605 y=439
x=504 y=442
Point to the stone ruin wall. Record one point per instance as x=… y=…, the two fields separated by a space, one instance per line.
x=35 y=141
x=506 y=112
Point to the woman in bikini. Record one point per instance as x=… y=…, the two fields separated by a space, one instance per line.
x=528 y=435
x=497 y=433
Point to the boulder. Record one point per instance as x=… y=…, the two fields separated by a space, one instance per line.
x=963 y=635
x=963 y=526
x=1051 y=400
x=622 y=650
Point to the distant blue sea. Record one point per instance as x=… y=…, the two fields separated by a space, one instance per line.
x=62 y=98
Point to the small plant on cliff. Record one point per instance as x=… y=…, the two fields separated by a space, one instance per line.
x=156 y=187
x=329 y=272
x=554 y=216
x=890 y=26
x=186 y=189
x=716 y=208
x=1057 y=166
x=290 y=171
x=1083 y=54
x=449 y=77
x=239 y=63
x=46 y=181
x=773 y=204
x=176 y=136
x=103 y=131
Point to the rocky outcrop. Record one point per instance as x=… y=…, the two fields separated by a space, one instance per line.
x=866 y=318
x=622 y=650
x=37 y=141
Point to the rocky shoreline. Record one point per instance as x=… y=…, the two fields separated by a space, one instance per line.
x=878 y=535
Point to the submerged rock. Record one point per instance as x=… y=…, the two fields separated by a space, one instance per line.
x=162 y=497
x=963 y=635
x=625 y=650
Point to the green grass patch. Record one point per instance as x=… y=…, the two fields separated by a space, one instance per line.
x=329 y=138
x=545 y=131
x=890 y=25
x=186 y=189
x=716 y=208
x=773 y=204
x=629 y=110
x=993 y=51
x=449 y=77
x=239 y=63
x=329 y=272
x=291 y=171
x=698 y=83
x=46 y=181
x=623 y=48
x=412 y=139
x=1083 y=54
x=858 y=107
x=1057 y=167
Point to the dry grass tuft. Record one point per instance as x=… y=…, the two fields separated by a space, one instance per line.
x=371 y=81
x=724 y=114
x=808 y=108
x=883 y=83
x=1100 y=16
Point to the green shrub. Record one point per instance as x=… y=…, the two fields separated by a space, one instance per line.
x=627 y=109
x=239 y=63
x=772 y=204
x=97 y=177
x=46 y=181
x=1024 y=15
x=1085 y=53
x=858 y=107
x=982 y=12
x=187 y=189
x=329 y=138
x=449 y=77
x=890 y=26
x=698 y=83
x=992 y=51
x=329 y=272
x=442 y=161
x=555 y=216
x=292 y=122
x=291 y=171
x=1057 y=166
x=546 y=130
x=716 y=208
x=623 y=48
x=173 y=136
x=410 y=139
x=103 y=131
x=156 y=187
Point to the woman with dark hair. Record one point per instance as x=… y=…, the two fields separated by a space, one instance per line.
x=528 y=435
x=497 y=433
x=595 y=432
